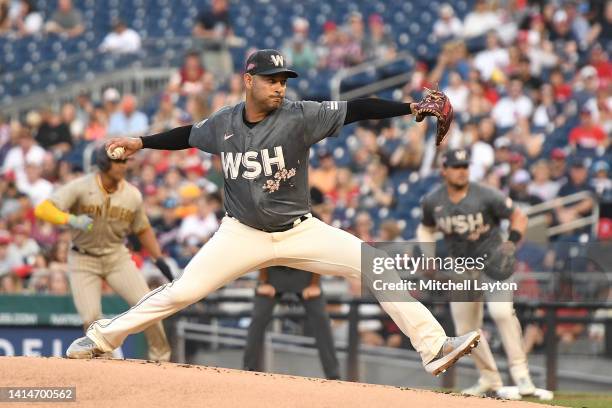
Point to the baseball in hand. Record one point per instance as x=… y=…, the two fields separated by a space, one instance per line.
x=116 y=154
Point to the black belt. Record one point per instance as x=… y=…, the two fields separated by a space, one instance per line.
x=82 y=251
x=283 y=228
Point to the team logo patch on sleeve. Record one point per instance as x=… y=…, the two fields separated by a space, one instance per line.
x=332 y=105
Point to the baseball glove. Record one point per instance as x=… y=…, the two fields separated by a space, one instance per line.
x=436 y=103
x=500 y=265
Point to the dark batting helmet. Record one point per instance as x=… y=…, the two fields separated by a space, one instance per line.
x=102 y=160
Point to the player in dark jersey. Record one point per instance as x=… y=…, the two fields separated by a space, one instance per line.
x=468 y=215
x=264 y=146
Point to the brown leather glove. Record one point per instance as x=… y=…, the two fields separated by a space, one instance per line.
x=435 y=103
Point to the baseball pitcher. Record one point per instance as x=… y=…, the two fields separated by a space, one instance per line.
x=264 y=145
x=468 y=215
x=101 y=209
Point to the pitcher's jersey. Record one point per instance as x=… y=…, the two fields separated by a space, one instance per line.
x=266 y=167
x=471 y=226
x=115 y=215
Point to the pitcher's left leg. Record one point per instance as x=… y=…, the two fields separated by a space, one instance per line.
x=130 y=284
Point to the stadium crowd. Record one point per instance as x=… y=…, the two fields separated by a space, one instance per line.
x=530 y=83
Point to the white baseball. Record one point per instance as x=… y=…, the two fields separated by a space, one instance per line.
x=117 y=153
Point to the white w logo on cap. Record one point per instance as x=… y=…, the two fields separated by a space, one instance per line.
x=277 y=60
x=461 y=155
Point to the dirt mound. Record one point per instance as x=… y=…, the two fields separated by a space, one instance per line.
x=137 y=383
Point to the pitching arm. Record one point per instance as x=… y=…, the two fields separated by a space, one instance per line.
x=175 y=139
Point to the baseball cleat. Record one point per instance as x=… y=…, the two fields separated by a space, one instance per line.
x=83 y=347
x=452 y=350
x=525 y=386
x=480 y=390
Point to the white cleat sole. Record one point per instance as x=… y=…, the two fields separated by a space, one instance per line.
x=442 y=364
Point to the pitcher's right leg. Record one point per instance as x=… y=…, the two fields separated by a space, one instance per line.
x=232 y=251
x=320 y=248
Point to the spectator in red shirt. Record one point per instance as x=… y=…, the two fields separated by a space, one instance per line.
x=189 y=78
x=346 y=192
x=588 y=134
x=600 y=61
x=562 y=90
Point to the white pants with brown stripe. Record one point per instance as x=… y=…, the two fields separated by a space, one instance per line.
x=236 y=249
x=467 y=316
x=120 y=272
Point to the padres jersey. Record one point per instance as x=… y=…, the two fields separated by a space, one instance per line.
x=266 y=167
x=115 y=215
x=471 y=226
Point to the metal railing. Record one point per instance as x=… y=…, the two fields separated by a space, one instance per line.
x=589 y=220
x=353 y=346
x=143 y=74
x=377 y=86
x=141 y=82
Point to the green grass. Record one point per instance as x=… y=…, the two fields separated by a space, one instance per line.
x=578 y=400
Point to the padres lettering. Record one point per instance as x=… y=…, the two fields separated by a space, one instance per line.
x=113 y=213
x=232 y=162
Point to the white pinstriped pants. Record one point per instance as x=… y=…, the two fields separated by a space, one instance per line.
x=86 y=274
x=236 y=249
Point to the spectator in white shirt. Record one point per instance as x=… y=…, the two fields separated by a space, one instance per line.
x=28 y=21
x=448 y=26
x=457 y=92
x=122 y=40
x=9 y=259
x=26 y=150
x=542 y=186
x=483 y=156
x=23 y=246
x=199 y=227
x=32 y=184
x=480 y=20
x=510 y=108
x=600 y=180
x=493 y=58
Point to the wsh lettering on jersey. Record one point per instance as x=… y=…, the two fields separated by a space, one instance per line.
x=250 y=164
x=471 y=224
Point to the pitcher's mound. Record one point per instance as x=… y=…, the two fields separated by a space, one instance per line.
x=138 y=383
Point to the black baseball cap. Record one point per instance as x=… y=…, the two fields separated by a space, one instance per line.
x=268 y=62
x=456 y=157
x=580 y=162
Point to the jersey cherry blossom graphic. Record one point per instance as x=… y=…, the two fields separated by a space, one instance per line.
x=273 y=185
